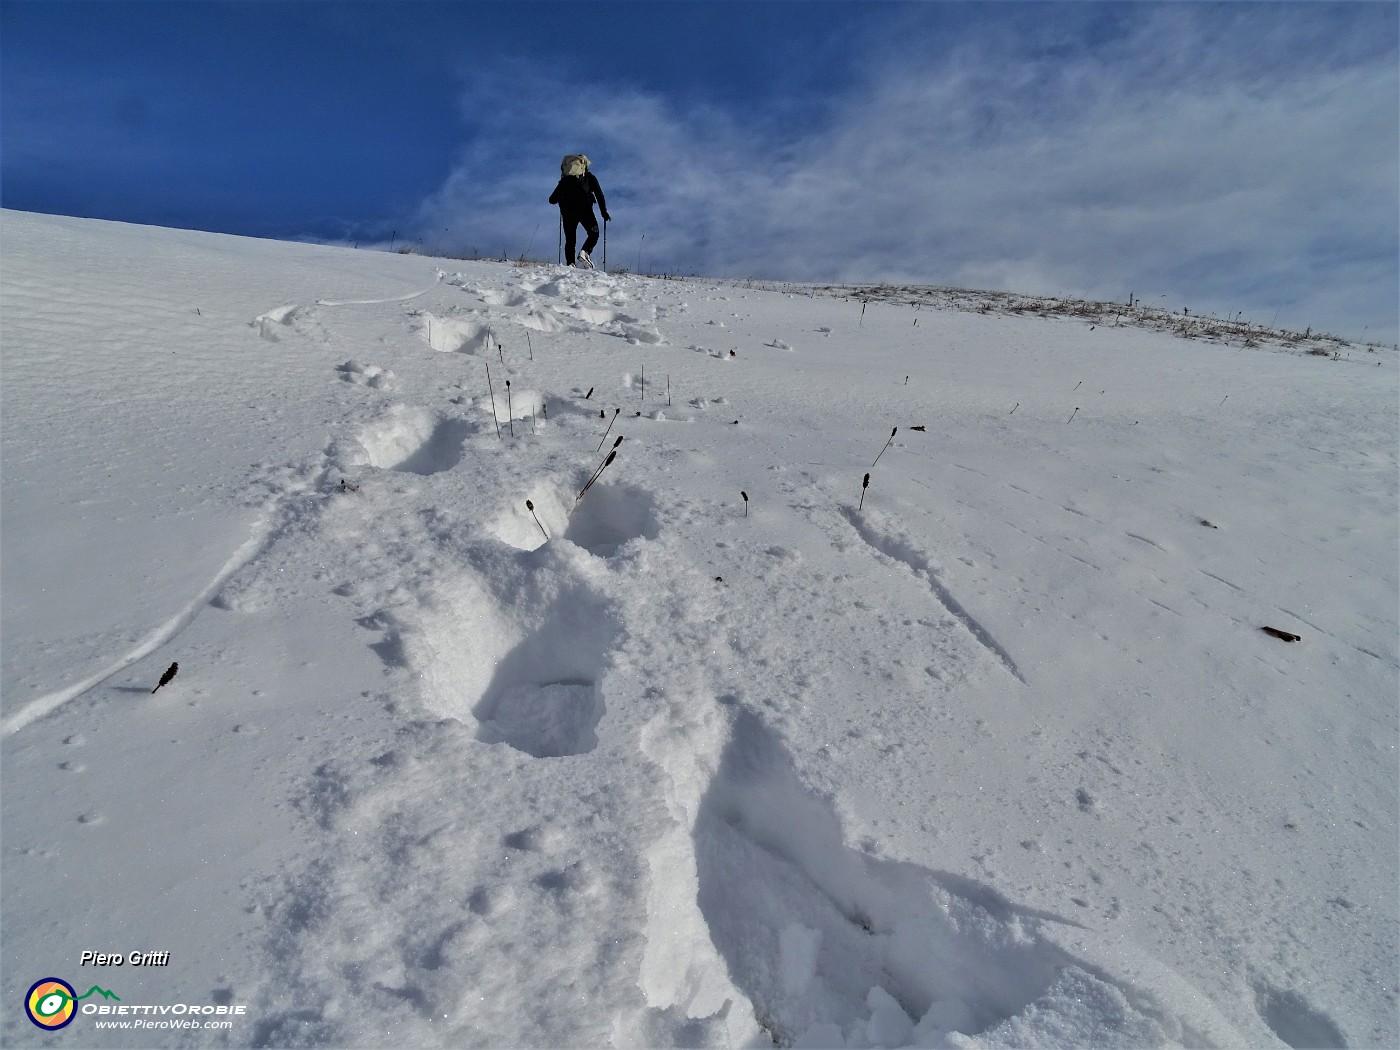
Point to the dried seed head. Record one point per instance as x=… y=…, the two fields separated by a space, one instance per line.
x=611 y=456
x=744 y=494
x=892 y=432
x=529 y=505
x=618 y=441
x=866 y=483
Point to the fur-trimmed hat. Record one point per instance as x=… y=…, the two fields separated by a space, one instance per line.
x=574 y=164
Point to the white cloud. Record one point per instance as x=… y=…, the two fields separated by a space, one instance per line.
x=1156 y=165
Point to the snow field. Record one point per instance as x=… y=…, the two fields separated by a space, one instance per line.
x=1000 y=759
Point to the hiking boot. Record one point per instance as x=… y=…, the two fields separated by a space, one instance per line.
x=584 y=262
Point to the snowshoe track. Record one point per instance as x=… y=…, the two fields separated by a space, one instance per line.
x=578 y=635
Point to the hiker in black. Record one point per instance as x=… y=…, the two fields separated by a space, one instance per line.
x=575 y=194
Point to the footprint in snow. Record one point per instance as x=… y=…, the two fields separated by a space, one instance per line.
x=519 y=648
x=411 y=439
x=834 y=947
x=270 y=323
x=470 y=334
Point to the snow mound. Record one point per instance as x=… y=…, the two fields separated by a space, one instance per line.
x=372 y=376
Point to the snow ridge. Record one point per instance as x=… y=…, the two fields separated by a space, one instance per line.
x=51 y=702
x=900 y=550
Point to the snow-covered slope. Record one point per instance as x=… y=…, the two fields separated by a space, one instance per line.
x=453 y=757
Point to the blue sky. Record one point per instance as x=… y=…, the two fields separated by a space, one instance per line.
x=1238 y=157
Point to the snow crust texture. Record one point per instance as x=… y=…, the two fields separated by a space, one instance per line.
x=548 y=678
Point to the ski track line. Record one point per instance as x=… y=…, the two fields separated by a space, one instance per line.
x=380 y=302
x=1221 y=579
x=1376 y=656
x=1016 y=528
x=1335 y=638
x=1149 y=542
x=44 y=705
x=900 y=553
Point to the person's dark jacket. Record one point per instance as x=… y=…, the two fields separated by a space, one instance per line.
x=575 y=195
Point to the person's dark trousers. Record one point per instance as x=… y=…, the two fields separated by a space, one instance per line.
x=571 y=223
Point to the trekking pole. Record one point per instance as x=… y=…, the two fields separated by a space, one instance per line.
x=559 y=255
x=605 y=245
